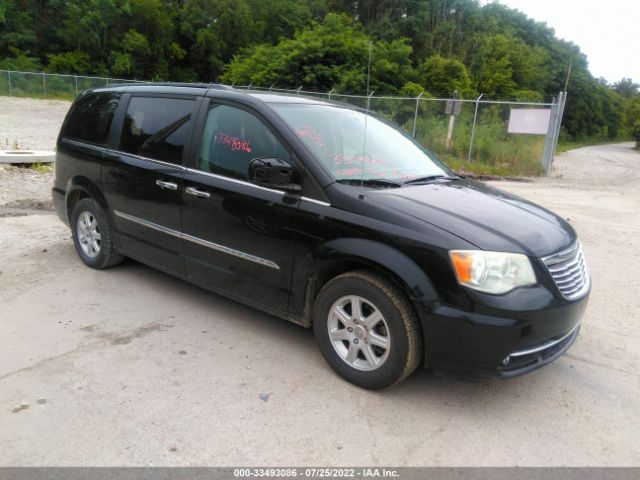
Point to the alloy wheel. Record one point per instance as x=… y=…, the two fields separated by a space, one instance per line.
x=359 y=333
x=89 y=234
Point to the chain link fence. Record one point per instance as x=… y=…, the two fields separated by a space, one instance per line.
x=466 y=134
x=50 y=85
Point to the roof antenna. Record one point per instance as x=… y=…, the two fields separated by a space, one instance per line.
x=369 y=68
x=366 y=115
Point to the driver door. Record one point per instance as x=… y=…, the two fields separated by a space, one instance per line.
x=237 y=235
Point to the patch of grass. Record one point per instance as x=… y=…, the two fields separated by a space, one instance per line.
x=42 y=167
x=495 y=152
x=482 y=169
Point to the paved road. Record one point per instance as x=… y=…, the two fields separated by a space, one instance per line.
x=130 y=366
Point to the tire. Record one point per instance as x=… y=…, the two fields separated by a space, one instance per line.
x=372 y=366
x=93 y=235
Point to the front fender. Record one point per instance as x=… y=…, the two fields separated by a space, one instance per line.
x=339 y=255
x=369 y=251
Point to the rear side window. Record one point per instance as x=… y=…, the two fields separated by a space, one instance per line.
x=91 y=116
x=157 y=128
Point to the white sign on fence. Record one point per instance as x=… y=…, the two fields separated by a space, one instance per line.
x=534 y=121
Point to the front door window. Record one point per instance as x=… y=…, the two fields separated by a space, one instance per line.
x=232 y=138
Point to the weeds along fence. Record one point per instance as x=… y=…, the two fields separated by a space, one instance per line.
x=470 y=135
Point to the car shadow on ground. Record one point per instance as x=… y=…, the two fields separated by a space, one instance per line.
x=281 y=335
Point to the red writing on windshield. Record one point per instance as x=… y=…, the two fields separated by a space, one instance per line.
x=234 y=143
x=304 y=131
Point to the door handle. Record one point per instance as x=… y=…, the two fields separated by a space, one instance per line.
x=197 y=193
x=167 y=185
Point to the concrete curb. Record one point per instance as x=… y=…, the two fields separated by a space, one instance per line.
x=27 y=156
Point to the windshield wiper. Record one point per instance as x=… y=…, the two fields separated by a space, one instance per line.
x=372 y=182
x=428 y=178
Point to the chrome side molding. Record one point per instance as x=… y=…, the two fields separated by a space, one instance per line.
x=199 y=241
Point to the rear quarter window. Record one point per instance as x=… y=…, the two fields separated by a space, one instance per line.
x=157 y=127
x=90 y=118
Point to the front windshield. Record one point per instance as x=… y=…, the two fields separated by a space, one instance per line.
x=337 y=137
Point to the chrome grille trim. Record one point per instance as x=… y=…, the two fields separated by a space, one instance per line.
x=544 y=346
x=569 y=272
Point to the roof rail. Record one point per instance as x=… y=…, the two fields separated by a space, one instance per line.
x=218 y=86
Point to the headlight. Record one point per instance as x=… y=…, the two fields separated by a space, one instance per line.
x=492 y=272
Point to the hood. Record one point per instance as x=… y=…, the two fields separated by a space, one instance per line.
x=484 y=216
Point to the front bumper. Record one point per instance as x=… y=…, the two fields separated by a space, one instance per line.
x=527 y=359
x=495 y=342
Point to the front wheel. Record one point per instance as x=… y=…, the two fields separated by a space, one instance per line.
x=92 y=235
x=367 y=330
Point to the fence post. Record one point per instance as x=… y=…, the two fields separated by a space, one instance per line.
x=44 y=84
x=560 y=114
x=330 y=92
x=271 y=87
x=107 y=81
x=473 y=128
x=75 y=77
x=547 y=151
x=369 y=99
x=298 y=91
x=415 y=115
x=9 y=73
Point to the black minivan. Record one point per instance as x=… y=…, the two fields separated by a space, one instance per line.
x=328 y=216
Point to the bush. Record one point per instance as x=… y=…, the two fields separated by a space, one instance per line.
x=69 y=62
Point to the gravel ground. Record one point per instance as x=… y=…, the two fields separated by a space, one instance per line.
x=133 y=367
x=31 y=123
x=22 y=187
x=28 y=123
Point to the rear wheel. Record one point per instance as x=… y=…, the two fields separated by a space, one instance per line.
x=367 y=330
x=92 y=235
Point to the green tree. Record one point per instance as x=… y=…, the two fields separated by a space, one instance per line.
x=317 y=43
x=444 y=75
x=626 y=87
x=333 y=54
x=69 y=62
x=215 y=30
x=20 y=61
x=504 y=65
x=146 y=46
x=633 y=119
x=16 y=29
x=278 y=19
x=91 y=25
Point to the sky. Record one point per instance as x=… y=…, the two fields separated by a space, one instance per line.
x=607 y=31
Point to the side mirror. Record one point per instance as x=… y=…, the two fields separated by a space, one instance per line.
x=272 y=173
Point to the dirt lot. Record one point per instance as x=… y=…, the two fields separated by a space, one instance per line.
x=30 y=123
x=27 y=123
x=132 y=367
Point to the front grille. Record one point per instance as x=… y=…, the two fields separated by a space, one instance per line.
x=569 y=271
